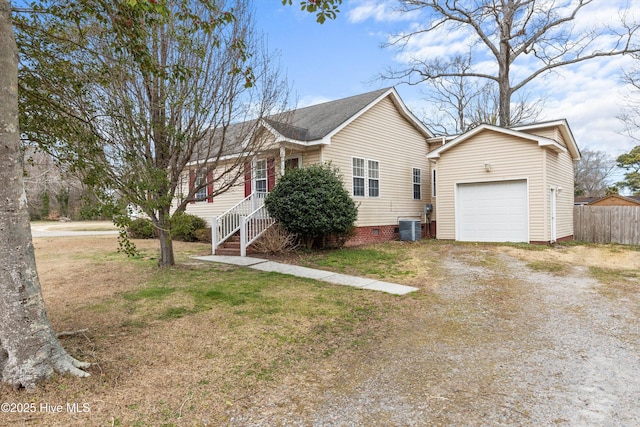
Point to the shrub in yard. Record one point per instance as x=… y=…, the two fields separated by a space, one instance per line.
x=203 y=235
x=140 y=228
x=184 y=226
x=312 y=203
x=276 y=240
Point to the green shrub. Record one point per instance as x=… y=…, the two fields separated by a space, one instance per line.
x=140 y=228
x=313 y=203
x=184 y=226
x=203 y=235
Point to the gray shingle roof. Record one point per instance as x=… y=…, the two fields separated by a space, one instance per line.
x=317 y=121
x=302 y=124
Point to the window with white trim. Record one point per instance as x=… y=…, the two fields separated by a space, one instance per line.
x=365 y=177
x=358 y=176
x=417 y=183
x=200 y=179
x=373 y=171
x=261 y=176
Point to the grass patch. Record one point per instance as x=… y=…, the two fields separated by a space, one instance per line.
x=380 y=261
x=612 y=276
x=547 y=266
x=616 y=283
x=219 y=331
x=158 y=292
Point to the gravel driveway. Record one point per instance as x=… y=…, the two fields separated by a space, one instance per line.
x=498 y=344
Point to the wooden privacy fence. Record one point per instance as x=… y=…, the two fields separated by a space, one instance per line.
x=607 y=224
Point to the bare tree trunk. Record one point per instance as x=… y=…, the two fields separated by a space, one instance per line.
x=504 y=107
x=504 y=65
x=166 y=243
x=29 y=349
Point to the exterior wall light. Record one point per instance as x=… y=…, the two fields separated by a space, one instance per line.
x=487 y=167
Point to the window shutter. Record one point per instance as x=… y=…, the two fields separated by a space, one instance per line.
x=271 y=174
x=192 y=182
x=247 y=179
x=210 y=186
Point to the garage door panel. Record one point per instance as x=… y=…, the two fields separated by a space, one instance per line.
x=492 y=212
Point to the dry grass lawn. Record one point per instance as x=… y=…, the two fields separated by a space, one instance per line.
x=185 y=346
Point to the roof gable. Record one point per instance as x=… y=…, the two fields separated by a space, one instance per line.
x=565 y=130
x=542 y=142
x=615 y=198
x=316 y=124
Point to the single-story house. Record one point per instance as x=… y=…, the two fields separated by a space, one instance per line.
x=489 y=184
x=616 y=200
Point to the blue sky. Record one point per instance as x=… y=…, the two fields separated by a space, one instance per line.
x=343 y=57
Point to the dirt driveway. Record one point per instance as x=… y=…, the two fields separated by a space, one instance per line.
x=507 y=337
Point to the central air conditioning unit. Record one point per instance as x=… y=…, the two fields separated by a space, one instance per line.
x=410 y=230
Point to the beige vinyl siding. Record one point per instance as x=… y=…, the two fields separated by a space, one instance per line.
x=220 y=203
x=235 y=194
x=560 y=176
x=510 y=158
x=312 y=157
x=550 y=132
x=383 y=135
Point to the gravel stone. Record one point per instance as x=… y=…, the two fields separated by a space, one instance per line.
x=502 y=345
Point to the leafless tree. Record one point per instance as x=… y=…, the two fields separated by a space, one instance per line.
x=47 y=182
x=592 y=173
x=540 y=33
x=30 y=351
x=150 y=101
x=631 y=114
x=461 y=103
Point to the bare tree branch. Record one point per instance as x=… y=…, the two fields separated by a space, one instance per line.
x=510 y=30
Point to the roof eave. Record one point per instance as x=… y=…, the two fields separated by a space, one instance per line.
x=567 y=134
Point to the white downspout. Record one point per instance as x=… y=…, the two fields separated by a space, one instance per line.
x=282 y=159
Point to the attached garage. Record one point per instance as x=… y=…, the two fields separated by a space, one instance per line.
x=492 y=212
x=499 y=184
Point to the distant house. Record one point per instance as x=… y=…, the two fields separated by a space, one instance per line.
x=489 y=184
x=615 y=200
x=583 y=200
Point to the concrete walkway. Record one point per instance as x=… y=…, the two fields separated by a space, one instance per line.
x=310 y=273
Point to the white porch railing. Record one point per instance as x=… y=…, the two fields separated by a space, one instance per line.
x=249 y=216
x=252 y=226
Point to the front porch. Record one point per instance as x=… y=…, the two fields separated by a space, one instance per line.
x=244 y=222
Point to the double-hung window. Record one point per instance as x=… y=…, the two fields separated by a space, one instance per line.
x=261 y=176
x=200 y=179
x=358 y=176
x=366 y=177
x=417 y=184
x=373 y=171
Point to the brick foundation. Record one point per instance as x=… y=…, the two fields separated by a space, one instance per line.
x=383 y=233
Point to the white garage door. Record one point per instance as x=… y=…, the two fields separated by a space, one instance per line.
x=492 y=212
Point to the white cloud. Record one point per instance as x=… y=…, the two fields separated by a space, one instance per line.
x=425 y=46
x=377 y=10
x=590 y=96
